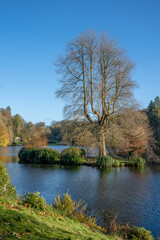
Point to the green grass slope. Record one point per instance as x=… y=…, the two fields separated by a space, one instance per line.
x=20 y=222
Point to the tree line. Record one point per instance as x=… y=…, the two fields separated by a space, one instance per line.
x=15 y=130
x=133 y=133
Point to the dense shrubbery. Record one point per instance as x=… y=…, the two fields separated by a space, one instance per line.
x=6 y=188
x=47 y=155
x=27 y=154
x=34 y=200
x=105 y=161
x=134 y=233
x=69 y=156
x=72 y=156
x=140 y=162
x=38 y=155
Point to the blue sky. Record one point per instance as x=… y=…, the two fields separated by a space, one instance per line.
x=34 y=32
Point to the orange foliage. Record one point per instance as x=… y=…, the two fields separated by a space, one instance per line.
x=138 y=140
x=35 y=139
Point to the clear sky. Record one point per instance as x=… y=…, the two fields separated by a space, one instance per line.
x=34 y=32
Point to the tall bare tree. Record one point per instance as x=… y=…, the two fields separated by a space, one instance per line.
x=95 y=81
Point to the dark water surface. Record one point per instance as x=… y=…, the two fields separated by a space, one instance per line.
x=134 y=195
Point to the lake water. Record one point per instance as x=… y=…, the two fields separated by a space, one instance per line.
x=134 y=195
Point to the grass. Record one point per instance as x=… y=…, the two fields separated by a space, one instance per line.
x=20 y=222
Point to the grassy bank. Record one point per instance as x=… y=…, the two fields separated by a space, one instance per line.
x=20 y=222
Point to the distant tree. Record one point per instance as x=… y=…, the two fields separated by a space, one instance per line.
x=153 y=113
x=6 y=117
x=34 y=136
x=79 y=133
x=18 y=123
x=56 y=132
x=4 y=137
x=40 y=124
x=96 y=81
x=8 y=109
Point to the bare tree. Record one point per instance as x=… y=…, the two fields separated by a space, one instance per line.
x=95 y=81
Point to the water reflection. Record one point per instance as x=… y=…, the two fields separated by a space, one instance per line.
x=132 y=194
x=9 y=154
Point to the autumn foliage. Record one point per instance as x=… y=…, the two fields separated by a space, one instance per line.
x=4 y=137
x=34 y=136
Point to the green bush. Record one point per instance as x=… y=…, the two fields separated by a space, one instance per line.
x=6 y=188
x=77 y=151
x=46 y=155
x=34 y=200
x=116 y=163
x=27 y=154
x=72 y=156
x=105 y=161
x=134 y=233
x=140 y=162
x=38 y=155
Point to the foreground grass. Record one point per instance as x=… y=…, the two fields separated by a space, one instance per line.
x=20 y=222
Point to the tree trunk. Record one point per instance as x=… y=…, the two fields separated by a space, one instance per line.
x=102 y=144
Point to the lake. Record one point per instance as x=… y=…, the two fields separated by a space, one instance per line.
x=134 y=195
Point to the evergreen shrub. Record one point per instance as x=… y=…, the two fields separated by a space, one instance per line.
x=38 y=155
x=46 y=155
x=72 y=156
x=34 y=200
x=27 y=154
x=105 y=161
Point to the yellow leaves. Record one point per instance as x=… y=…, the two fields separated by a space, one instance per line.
x=4 y=137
